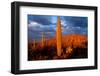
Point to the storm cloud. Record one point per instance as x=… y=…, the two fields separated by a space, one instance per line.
x=47 y=24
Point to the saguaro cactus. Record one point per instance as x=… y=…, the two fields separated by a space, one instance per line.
x=43 y=39
x=59 y=37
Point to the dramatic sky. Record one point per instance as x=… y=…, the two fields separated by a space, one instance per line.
x=47 y=24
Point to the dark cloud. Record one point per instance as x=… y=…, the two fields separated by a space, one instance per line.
x=47 y=24
x=48 y=29
x=33 y=35
x=44 y=20
x=42 y=28
x=73 y=25
x=76 y=21
x=74 y=30
x=36 y=34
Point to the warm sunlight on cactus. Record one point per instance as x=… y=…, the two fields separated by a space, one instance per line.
x=59 y=37
x=57 y=44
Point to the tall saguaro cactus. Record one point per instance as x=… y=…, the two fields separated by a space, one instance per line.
x=59 y=37
x=43 y=39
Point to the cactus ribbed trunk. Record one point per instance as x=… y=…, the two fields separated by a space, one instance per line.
x=59 y=37
x=43 y=40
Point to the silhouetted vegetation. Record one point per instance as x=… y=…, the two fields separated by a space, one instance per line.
x=73 y=47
